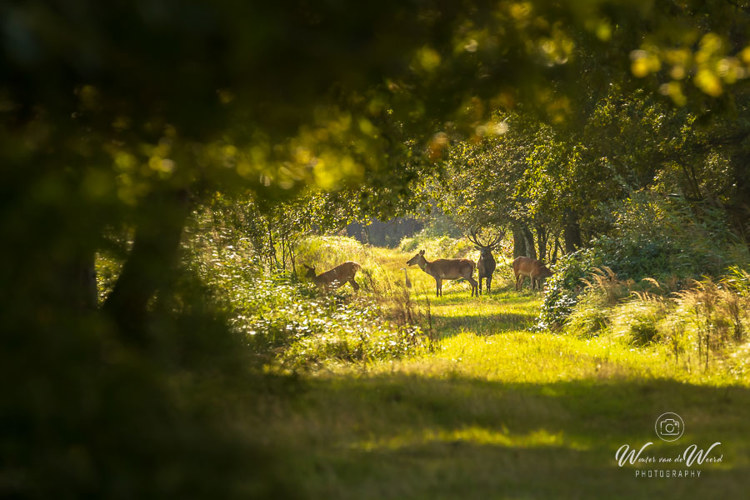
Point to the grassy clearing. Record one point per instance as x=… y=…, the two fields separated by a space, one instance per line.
x=500 y=411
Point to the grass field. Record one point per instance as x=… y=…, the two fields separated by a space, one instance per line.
x=501 y=411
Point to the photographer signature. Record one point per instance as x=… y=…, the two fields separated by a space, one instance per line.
x=691 y=455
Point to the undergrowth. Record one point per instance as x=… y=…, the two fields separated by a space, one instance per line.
x=291 y=325
x=704 y=325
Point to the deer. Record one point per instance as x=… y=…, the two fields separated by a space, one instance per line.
x=343 y=273
x=446 y=269
x=486 y=265
x=533 y=268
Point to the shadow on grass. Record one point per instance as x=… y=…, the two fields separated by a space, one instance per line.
x=487 y=324
x=421 y=437
x=463 y=297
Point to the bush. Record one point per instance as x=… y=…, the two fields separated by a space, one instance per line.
x=587 y=317
x=326 y=252
x=653 y=237
x=643 y=329
x=661 y=237
x=703 y=326
x=603 y=290
x=290 y=324
x=565 y=287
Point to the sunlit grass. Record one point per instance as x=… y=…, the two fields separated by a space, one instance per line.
x=475 y=435
x=491 y=337
x=499 y=410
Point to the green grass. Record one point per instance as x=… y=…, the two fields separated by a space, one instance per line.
x=500 y=411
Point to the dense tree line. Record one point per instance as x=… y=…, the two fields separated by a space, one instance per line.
x=556 y=187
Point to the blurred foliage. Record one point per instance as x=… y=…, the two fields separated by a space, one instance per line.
x=120 y=119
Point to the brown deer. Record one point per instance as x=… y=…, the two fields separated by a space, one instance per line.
x=446 y=269
x=534 y=269
x=343 y=273
x=486 y=265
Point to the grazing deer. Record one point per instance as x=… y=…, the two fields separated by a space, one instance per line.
x=446 y=269
x=486 y=265
x=534 y=269
x=335 y=277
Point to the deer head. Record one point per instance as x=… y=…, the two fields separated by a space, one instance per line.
x=310 y=271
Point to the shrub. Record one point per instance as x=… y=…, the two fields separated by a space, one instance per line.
x=659 y=237
x=643 y=329
x=588 y=317
x=641 y=319
x=292 y=325
x=565 y=286
x=718 y=313
x=692 y=241
x=326 y=252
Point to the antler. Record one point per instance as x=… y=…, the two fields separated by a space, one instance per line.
x=472 y=236
x=497 y=240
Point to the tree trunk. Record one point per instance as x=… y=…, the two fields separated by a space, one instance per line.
x=572 y=233
x=739 y=205
x=558 y=249
x=542 y=239
x=150 y=264
x=519 y=247
x=528 y=238
x=83 y=282
x=523 y=242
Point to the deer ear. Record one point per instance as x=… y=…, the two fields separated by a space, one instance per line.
x=421 y=252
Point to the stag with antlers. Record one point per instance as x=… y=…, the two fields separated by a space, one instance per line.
x=486 y=265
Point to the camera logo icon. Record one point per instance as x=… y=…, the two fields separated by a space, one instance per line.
x=669 y=426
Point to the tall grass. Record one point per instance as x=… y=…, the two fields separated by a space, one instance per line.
x=435 y=248
x=704 y=326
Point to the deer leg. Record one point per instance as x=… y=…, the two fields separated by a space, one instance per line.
x=354 y=284
x=439 y=286
x=474 y=287
x=489 y=280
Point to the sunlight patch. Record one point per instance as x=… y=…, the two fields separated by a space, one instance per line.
x=474 y=435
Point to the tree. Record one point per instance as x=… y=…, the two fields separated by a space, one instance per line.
x=121 y=116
